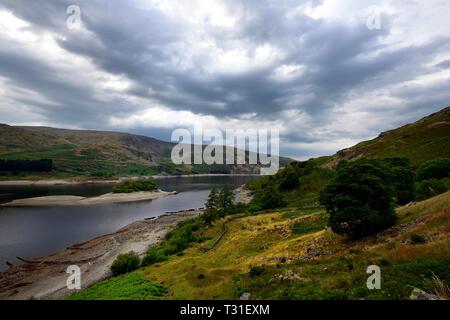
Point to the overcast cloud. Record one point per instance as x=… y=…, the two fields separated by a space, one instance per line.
x=312 y=68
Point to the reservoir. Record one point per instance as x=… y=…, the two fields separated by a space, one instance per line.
x=30 y=232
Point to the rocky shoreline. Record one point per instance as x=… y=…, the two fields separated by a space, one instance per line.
x=56 y=182
x=45 y=277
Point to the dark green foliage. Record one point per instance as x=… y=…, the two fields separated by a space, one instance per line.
x=289 y=181
x=219 y=204
x=225 y=201
x=268 y=197
x=402 y=179
x=42 y=165
x=434 y=169
x=418 y=238
x=211 y=207
x=153 y=256
x=135 y=186
x=175 y=242
x=360 y=200
x=125 y=263
x=299 y=183
x=429 y=188
x=256 y=271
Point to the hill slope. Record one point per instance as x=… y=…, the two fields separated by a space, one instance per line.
x=295 y=257
x=100 y=153
x=423 y=140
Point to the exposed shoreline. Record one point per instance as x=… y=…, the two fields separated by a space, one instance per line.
x=45 y=277
x=56 y=182
x=68 y=200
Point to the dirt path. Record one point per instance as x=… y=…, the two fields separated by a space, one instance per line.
x=45 y=277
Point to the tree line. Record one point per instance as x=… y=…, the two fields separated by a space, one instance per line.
x=41 y=165
x=218 y=204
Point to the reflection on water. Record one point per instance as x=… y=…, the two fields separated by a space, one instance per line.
x=31 y=232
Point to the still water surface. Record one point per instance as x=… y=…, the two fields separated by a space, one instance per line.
x=32 y=232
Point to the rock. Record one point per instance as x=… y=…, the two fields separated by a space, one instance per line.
x=289 y=275
x=418 y=294
x=245 y=296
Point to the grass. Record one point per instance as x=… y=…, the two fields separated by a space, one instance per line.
x=421 y=141
x=289 y=255
x=131 y=286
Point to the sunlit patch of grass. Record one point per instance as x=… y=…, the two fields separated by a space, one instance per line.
x=132 y=286
x=316 y=264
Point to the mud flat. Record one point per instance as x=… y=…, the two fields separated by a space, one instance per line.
x=67 y=200
x=45 y=277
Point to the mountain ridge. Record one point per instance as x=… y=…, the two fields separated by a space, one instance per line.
x=102 y=154
x=423 y=140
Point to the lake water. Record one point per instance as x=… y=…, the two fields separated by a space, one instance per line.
x=32 y=232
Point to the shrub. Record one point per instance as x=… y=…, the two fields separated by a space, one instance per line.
x=360 y=199
x=429 y=188
x=175 y=241
x=256 y=271
x=153 y=256
x=289 y=181
x=135 y=186
x=269 y=197
x=418 y=238
x=125 y=263
x=433 y=169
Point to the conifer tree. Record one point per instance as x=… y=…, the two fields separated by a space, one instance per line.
x=211 y=207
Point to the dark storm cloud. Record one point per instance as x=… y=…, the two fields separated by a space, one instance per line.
x=154 y=51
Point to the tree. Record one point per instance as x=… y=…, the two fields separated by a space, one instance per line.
x=268 y=197
x=211 y=208
x=433 y=169
x=225 y=201
x=360 y=200
x=402 y=179
x=289 y=181
x=429 y=188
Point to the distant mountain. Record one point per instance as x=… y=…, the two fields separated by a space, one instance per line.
x=423 y=140
x=101 y=153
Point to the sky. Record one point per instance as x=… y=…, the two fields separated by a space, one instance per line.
x=327 y=74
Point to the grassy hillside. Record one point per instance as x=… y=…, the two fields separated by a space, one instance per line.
x=290 y=254
x=81 y=153
x=423 y=140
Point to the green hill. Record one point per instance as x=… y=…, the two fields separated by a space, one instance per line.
x=290 y=254
x=102 y=154
x=426 y=139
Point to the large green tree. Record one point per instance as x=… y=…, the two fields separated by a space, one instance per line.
x=434 y=169
x=360 y=201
